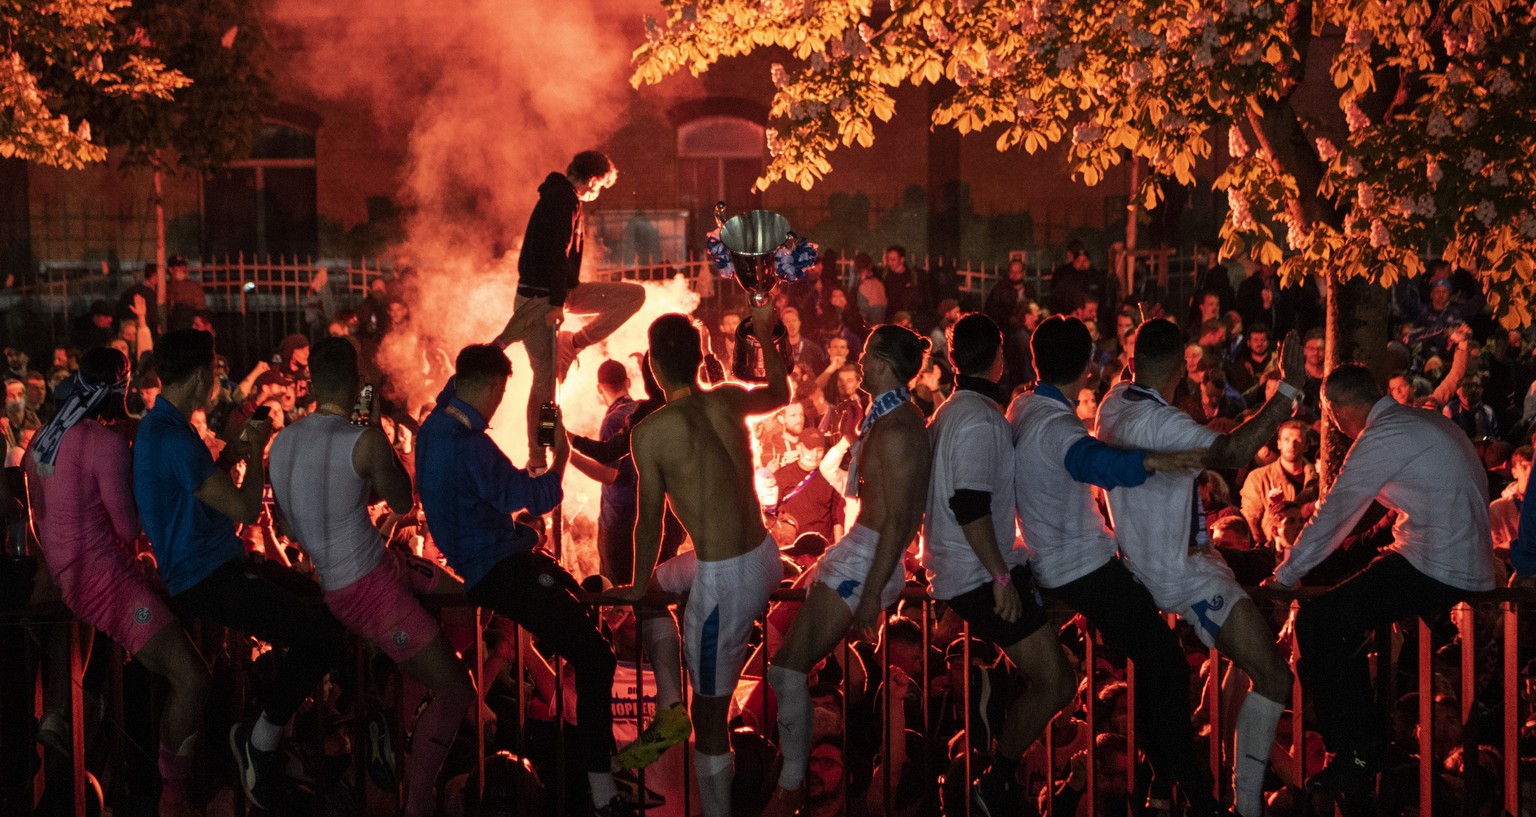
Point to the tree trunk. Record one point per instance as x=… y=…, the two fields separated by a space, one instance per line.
x=160 y=245
x=1356 y=332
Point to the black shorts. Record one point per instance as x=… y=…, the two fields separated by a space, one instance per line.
x=977 y=608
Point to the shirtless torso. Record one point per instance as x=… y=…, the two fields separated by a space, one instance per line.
x=696 y=450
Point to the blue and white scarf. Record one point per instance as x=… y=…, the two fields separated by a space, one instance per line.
x=77 y=398
x=879 y=407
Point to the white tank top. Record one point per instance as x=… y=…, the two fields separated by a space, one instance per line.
x=324 y=499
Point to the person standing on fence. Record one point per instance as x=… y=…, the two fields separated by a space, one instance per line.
x=1161 y=528
x=79 y=479
x=470 y=491
x=1421 y=465
x=1072 y=551
x=190 y=508
x=696 y=453
x=974 y=559
x=889 y=475
x=549 y=285
x=324 y=471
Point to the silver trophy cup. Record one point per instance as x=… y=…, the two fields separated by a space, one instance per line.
x=752 y=239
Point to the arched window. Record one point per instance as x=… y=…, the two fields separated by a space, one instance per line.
x=719 y=158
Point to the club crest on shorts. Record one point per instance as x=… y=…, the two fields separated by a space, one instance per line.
x=142 y=615
x=1217 y=602
x=546 y=580
x=401 y=639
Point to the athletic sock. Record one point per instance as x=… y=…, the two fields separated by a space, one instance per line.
x=176 y=769
x=266 y=734
x=429 y=745
x=662 y=644
x=792 y=689
x=715 y=773
x=603 y=788
x=1256 y=723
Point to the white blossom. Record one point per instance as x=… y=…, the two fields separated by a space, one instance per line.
x=1354 y=117
x=1486 y=212
x=1296 y=237
x=1500 y=83
x=1237 y=8
x=1379 y=235
x=1499 y=177
x=1438 y=126
x=1142 y=38
x=1353 y=168
x=1433 y=172
x=1067 y=57
x=1426 y=206
x=937 y=31
x=1474 y=161
x=1025 y=107
x=1237 y=146
x=964 y=76
x=1325 y=149
x=775 y=147
x=1135 y=73
x=1237 y=203
x=1084 y=132
x=1366 y=195
x=865 y=32
x=1527 y=225
x=779 y=75
x=1467 y=120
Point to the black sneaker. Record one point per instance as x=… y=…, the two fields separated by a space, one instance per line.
x=258 y=769
x=1349 y=771
x=617 y=807
x=995 y=795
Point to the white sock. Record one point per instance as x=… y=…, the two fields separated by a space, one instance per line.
x=715 y=773
x=662 y=644
x=266 y=734
x=1256 y=723
x=603 y=790
x=792 y=689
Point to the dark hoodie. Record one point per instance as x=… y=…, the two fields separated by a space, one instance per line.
x=550 y=263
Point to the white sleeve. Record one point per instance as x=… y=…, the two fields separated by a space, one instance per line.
x=1174 y=430
x=1365 y=471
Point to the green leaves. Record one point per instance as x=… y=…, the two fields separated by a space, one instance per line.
x=1443 y=164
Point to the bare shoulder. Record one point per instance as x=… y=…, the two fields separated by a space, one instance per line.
x=903 y=437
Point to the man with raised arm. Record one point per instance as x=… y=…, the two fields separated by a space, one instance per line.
x=696 y=453
x=1160 y=526
x=324 y=472
x=890 y=478
x=1072 y=552
x=1422 y=466
x=470 y=491
x=189 y=507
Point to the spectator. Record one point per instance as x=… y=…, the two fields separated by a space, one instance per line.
x=801 y=349
x=1288 y=482
x=873 y=301
x=94 y=328
x=1074 y=281
x=1504 y=512
x=805 y=496
x=905 y=287
x=1255 y=356
x=616 y=517
x=1476 y=419
x=1006 y=295
x=180 y=290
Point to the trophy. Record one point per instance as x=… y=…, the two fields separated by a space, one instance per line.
x=758 y=249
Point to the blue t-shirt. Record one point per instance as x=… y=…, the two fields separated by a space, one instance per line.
x=170 y=462
x=469 y=490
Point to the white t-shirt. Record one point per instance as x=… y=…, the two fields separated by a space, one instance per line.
x=1156 y=522
x=1421 y=465
x=1057 y=515
x=972 y=450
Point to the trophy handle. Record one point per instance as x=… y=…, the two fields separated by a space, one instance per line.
x=790 y=240
x=719 y=214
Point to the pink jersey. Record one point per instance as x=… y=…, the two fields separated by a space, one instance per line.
x=84 y=516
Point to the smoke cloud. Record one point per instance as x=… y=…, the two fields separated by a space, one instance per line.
x=494 y=96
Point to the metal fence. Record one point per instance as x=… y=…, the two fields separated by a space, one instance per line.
x=255 y=302
x=1504 y=689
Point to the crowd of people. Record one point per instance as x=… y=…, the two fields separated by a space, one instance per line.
x=967 y=498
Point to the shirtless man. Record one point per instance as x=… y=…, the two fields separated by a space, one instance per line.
x=890 y=477
x=696 y=452
x=324 y=471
